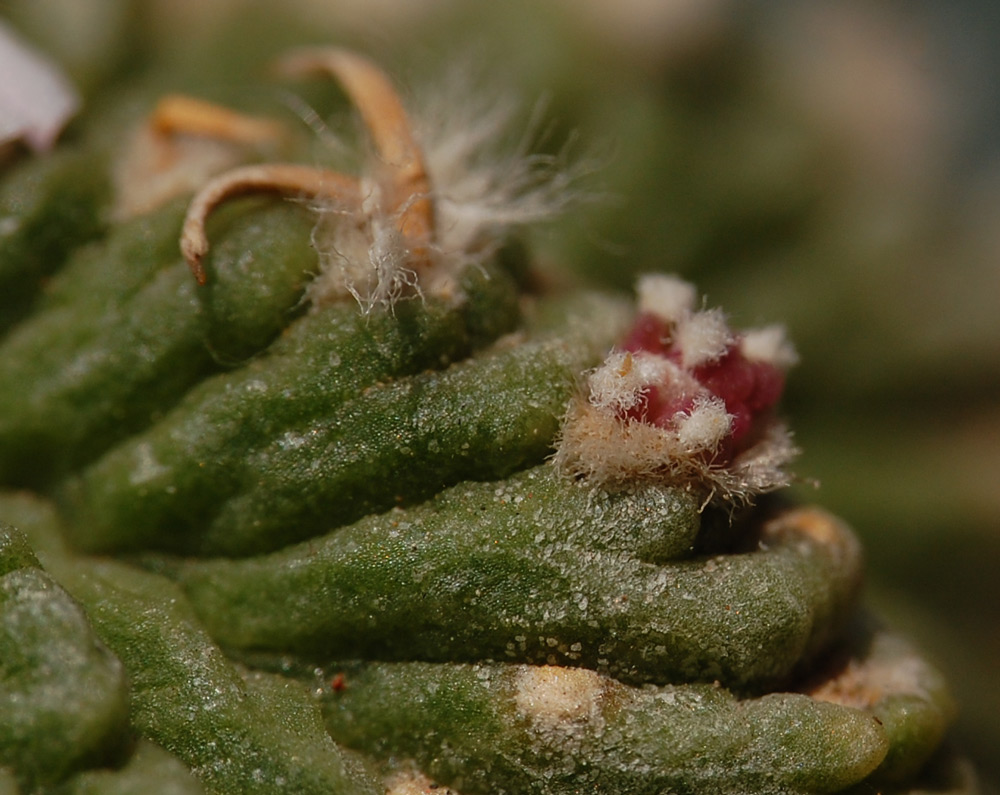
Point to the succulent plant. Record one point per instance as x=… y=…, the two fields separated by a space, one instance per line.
x=400 y=516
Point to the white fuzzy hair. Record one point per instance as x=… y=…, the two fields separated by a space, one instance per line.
x=365 y=257
x=668 y=297
x=623 y=380
x=702 y=337
x=483 y=185
x=769 y=344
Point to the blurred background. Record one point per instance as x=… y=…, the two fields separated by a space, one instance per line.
x=831 y=165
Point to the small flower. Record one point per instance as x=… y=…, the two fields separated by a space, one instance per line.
x=686 y=400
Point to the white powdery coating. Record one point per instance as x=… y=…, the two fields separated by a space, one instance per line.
x=621 y=382
x=667 y=297
x=769 y=344
x=702 y=337
x=706 y=426
x=556 y=698
x=36 y=100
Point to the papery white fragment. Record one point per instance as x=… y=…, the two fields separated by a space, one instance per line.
x=556 y=698
x=36 y=99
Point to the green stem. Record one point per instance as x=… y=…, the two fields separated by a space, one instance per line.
x=125 y=332
x=509 y=730
x=539 y=569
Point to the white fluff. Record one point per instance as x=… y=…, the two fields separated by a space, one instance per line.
x=769 y=344
x=621 y=382
x=482 y=186
x=702 y=337
x=668 y=297
x=704 y=428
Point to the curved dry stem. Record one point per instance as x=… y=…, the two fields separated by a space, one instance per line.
x=373 y=94
x=289 y=179
x=179 y=114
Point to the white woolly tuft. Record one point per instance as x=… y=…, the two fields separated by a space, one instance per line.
x=621 y=382
x=481 y=191
x=761 y=468
x=704 y=428
x=360 y=257
x=769 y=344
x=668 y=297
x=702 y=337
x=366 y=258
x=408 y=780
x=557 y=699
x=387 y=256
